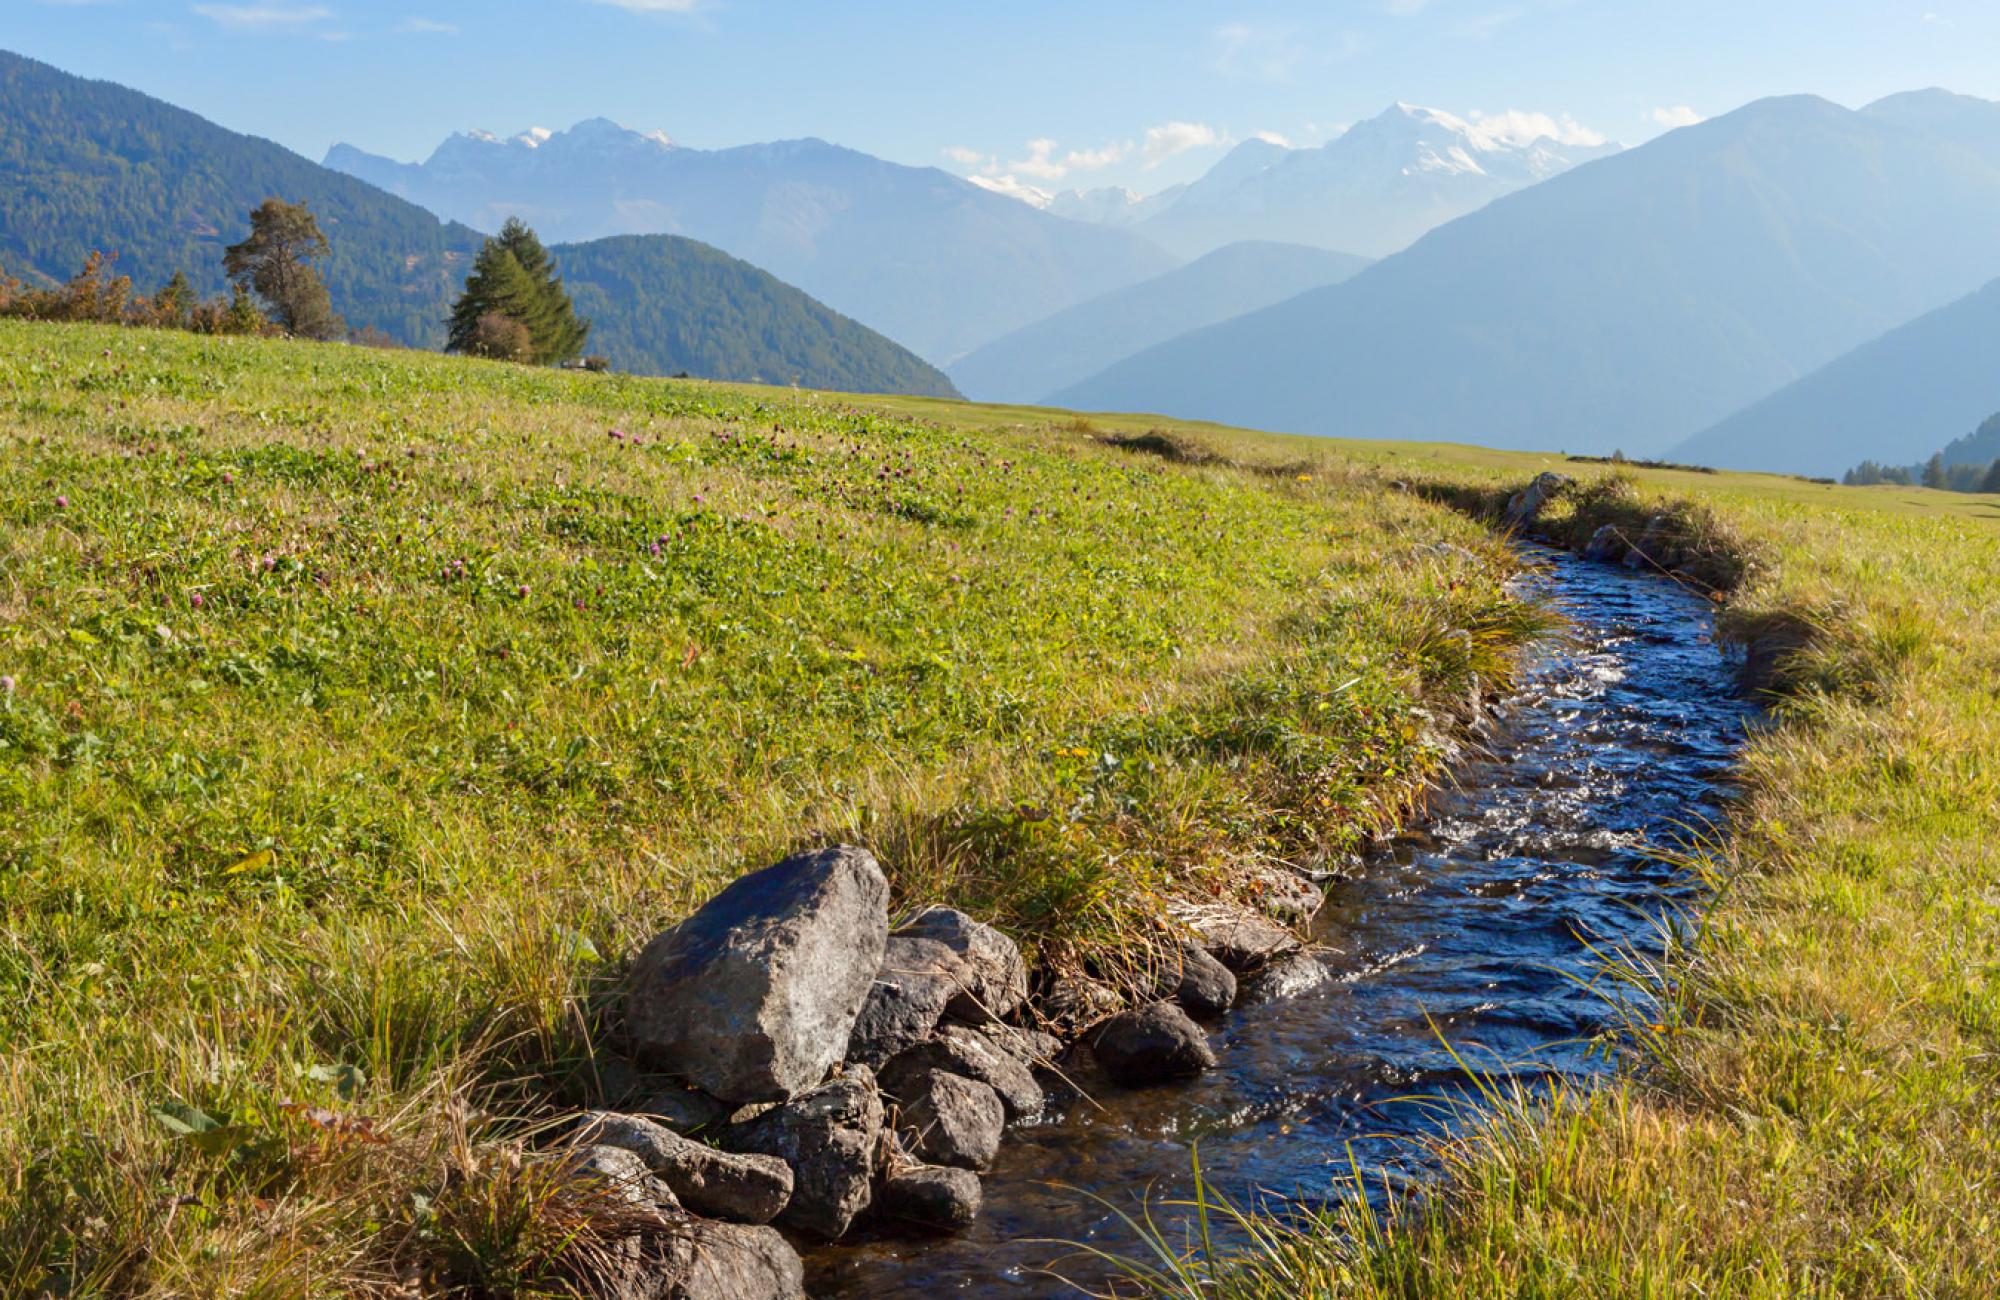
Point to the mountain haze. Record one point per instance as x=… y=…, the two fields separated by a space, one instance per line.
x=1626 y=303
x=1031 y=363
x=665 y=305
x=931 y=260
x=1894 y=399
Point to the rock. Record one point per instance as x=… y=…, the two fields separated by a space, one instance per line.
x=1031 y=1047
x=1242 y=941
x=744 y=1188
x=753 y=997
x=682 y=1109
x=619 y=1175
x=962 y=1051
x=733 y=1262
x=1607 y=544
x=906 y=1001
x=830 y=1137
x=1201 y=984
x=1150 y=1044
x=1283 y=893
x=1525 y=506
x=1645 y=553
x=945 y=1200
x=1076 y=1001
x=697 y=1259
x=1287 y=978
x=991 y=978
x=954 y=1121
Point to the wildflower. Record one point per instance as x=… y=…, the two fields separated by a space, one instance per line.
x=524 y=591
x=62 y=503
x=227 y=478
x=195 y=600
x=6 y=684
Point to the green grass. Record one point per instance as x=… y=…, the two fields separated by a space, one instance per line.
x=368 y=710
x=316 y=890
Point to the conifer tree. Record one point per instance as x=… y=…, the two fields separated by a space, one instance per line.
x=514 y=277
x=1934 y=471
x=1991 y=483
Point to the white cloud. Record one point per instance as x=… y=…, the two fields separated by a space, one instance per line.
x=1040 y=162
x=1271 y=137
x=1679 y=115
x=263 y=17
x=965 y=157
x=1515 y=127
x=426 y=26
x=1014 y=188
x=1478 y=29
x=1168 y=139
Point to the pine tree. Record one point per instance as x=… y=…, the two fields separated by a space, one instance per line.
x=514 y=277
x=1991 y=483
x=243 y=316
x=276 y=260
x=173 y=303
x=1934 y=471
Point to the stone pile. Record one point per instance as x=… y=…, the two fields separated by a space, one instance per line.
x=806 y=1069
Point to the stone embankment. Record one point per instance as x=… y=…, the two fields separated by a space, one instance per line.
x=797 y=1069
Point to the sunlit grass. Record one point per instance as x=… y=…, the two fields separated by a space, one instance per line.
x=366 y=711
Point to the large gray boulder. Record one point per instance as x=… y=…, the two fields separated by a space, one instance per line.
x=990 y=978
x=1150 y=1044
x=832 y=1139
x=953 y=1121
x=753 y=997
x=1243 y=941
x=906 y=1001
x=966 y=1052
x=745 y=1188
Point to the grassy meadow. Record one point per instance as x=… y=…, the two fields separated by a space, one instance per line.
x=364 y=711
x=361 y=712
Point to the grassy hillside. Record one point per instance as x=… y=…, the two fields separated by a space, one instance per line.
x=662 y=305
x=354 y=733
x=367 y=710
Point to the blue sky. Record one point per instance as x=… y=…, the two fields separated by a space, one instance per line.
x=1053 y=93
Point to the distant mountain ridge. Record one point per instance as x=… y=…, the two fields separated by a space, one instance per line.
x=1628 y=302
x=931 y=260
x=90 y=165
x=665 y=305
x=1032 y=363
x=1894 y=399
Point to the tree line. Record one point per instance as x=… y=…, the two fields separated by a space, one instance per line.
x=513 y=306
x=1969 y=464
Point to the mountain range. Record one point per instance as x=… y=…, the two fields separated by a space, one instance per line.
x=931 y=260
x=1031 y=363
x=1897 y=397
x=1372 y=190
x=1626 y=303
x=88 y=165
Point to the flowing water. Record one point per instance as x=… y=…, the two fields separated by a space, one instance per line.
x=1475 y=931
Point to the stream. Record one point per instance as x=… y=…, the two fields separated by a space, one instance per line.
x=1475 y=928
